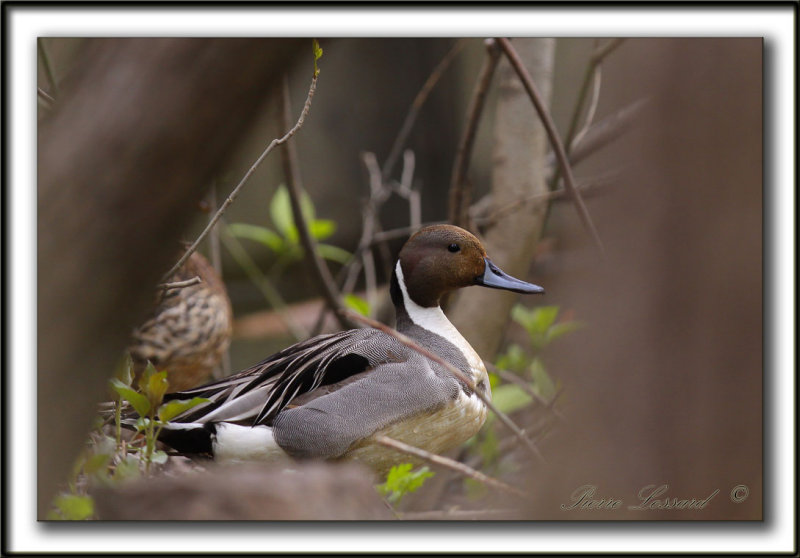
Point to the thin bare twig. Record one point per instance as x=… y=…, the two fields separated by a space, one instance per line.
x=416 y=105
x=291 y=171
x=586 y=187
x=229 y=200
x=450 y=464
x=591 y=75
x=48 y=67
x=362 y=257
x=595 y=60
x=458 y=374
x=512 y=378
x=459 y=196
x=602 y=133
x=45 y=97
x=601 y=52
x=544 y=115
x=405 y=190
x=379 y=193
x=392 y=234
x=400 y=232
x=213 y=239
x=268 y=290
x=181 y=284
x=590 y=112
x=224 y=369
x=378 y=179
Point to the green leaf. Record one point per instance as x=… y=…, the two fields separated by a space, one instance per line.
x=522 y=315
x=139 y=402
x=401 y=480
x=160 y=457
x=542 y=384
x=73 y=507
x=537 y=320
x=395 y=475
x=307 y=208
x=317 y=55
x=333 y=253
x=543 y=318
x=127 y=469
x=510 y=397
x=157 y=386
x=513 y=359
x=106 y=444
x=562 y=329
x=489 y=446
x=149 y=370
x=293 y=235
x=96 y=463
x=172 y=409
x=356 y=303
x=321 y=229
x=280 y=211
x=124 y=370
x=259 y=234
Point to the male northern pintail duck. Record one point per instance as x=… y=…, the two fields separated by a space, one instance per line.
x=327 y=397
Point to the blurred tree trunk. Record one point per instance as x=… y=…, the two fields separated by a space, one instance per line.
x=131 y=145
x=520 y=148
x=518 y=171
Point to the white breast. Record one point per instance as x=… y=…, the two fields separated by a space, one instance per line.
x=434 y=320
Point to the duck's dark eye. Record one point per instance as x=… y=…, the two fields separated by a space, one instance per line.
x=454 y=247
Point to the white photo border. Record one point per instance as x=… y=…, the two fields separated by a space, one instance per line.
x=774 y=22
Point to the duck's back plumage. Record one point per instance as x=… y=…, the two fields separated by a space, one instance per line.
x=322 y=395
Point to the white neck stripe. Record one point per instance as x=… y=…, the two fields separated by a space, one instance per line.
x=434 y=320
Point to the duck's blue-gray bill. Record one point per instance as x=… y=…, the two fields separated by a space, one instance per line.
x=496 y=278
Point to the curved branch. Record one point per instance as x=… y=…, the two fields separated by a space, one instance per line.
x=229 y=200
x=596 y=59
x=555 y=140
x=459 y=202
x=181 y=284
x=419 y=100
x=458 y=374
x=291 y=171
x=448 y=463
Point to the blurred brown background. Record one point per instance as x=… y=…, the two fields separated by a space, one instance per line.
x=663 y=386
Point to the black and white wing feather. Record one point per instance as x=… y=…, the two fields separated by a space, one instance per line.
x=256 y=395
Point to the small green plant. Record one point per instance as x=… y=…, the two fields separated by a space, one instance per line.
x=542 y=328
x=285 y=243
x=110 y=460
x=317 y=55
x=153 y=413
x=533 y=381
x=71 y=507
x=401 y=480
x=356 y=303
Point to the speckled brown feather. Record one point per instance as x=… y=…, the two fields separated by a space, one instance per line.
x=190 y=328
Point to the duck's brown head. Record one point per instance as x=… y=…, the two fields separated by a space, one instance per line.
x=441 y=258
